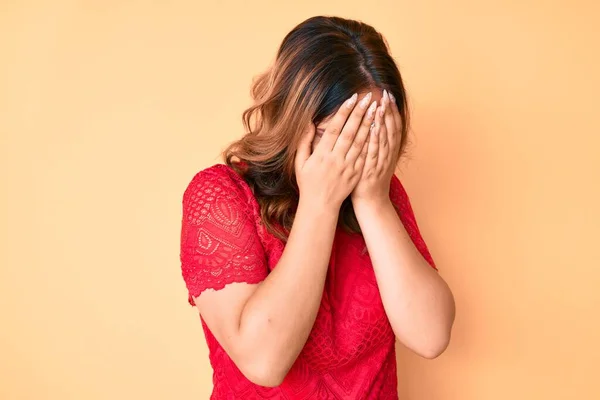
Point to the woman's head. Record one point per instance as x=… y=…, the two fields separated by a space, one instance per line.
x=320 y=64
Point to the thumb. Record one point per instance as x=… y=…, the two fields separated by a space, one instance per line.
x=304 y=146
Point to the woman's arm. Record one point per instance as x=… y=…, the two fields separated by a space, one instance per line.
x=417 y=301
x=263 y=327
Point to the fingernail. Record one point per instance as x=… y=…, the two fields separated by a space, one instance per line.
x=365 y=101
x=371 y=109
x=392 y=97
x=350 y=102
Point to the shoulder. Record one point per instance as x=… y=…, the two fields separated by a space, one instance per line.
x=217 y=180
x=220 y=243
x=218 y=191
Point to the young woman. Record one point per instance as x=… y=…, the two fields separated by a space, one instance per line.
x=301 y=252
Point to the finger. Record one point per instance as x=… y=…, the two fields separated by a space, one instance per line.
x=360 y=160
x=332 y=132
x=382 y=156
x=395 y=137
x=386 y=151
x=395 y=110
x=373 y=150
x=350 y=129
x=361 y=136
x=389 y=120
x=304 y=146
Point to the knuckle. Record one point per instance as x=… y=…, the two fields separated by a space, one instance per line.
x=334 y=131
x=347 y=134
x=357 y=144
x=340 y=163
x=336 y=160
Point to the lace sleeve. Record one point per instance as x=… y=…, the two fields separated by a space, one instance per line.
x=401 y=201
x=219 y=240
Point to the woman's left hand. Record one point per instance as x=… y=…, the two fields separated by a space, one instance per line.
x=382 y=155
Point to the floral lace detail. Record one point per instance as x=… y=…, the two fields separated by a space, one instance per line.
x=350 y=351
x=219 y=241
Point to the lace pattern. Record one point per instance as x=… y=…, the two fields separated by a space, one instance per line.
x=219 y=241
x=350 y=351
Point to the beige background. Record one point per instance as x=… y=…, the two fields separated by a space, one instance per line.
x=108 y=108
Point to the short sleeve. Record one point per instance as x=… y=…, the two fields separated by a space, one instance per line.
x=401 y=201
x=219 y=238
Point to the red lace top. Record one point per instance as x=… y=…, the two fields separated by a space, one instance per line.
x=350 y=351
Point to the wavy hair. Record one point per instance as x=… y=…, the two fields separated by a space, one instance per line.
x=320 y=64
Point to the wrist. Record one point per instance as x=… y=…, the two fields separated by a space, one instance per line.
x=318 y=210
x=371 y=204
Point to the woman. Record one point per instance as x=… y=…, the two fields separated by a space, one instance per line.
x=303 y=255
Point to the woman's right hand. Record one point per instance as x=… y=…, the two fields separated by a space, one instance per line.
x=328 y=175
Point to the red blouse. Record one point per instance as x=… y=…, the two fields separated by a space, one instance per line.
x=350 y=351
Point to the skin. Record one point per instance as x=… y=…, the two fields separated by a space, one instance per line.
x=263 y=327
x=417 y=301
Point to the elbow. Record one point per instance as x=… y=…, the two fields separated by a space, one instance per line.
x=266 y=380
x=263 y=372
x=429 y=345
x=433 y=351
x=434 y=347
x=439 y=338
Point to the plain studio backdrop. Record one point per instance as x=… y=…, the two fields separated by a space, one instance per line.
x=108 y=108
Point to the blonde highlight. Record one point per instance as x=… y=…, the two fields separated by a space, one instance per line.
x=320 y=63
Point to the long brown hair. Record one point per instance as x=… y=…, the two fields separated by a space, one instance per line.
x=320 y=63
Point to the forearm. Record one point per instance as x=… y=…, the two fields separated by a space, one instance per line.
x=279 y=316
x=417 y=301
